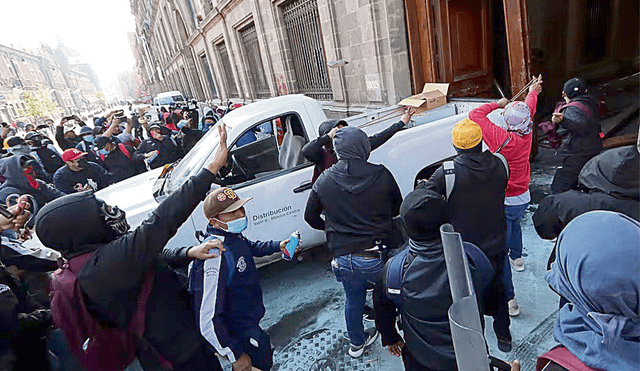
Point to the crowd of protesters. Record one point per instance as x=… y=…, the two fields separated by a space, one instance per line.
x=117 y=303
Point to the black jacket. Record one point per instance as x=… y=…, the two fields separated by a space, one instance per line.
x=94 y=175
x=50 y=160
x=581 y=131
x=119 y=165
x=476 y=204
x=610 y=181
x=168 y=149
x=23 y=327
x=63 y=142
x=111 y=280
x=354 y=221
x=189 y=138
x=425 y=299
x=314 y=150
x=16 y=182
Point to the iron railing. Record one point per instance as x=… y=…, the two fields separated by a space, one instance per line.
x=256 y=68
x=307 y=49
x=227 y=72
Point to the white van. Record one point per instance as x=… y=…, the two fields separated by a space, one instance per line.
x=164 y=99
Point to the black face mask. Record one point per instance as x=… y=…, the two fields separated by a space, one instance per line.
x=115 y=219
x=83 y=164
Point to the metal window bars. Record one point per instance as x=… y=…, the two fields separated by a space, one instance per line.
x=254 y=61
x=307 y=49
x=227 y=72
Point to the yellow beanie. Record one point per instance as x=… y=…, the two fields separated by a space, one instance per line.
x=466 y=134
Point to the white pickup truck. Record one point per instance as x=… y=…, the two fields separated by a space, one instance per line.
x=265 y=140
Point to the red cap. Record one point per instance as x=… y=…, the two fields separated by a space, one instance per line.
x=72 y=154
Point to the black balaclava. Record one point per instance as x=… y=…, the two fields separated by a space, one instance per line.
x=75 y=224
x=423 y=211
x=327 y=125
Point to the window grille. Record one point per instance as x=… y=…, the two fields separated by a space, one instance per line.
x=254 y=60
x=207 y=71
x=227 y=72
x=307 y=49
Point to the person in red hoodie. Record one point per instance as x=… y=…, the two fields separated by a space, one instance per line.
x=506 y=128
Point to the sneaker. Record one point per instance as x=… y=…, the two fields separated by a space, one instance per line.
x=517 y=264
x=504 y=345
x=514 y=309
x=357 y=351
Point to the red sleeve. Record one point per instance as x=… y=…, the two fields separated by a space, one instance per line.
x=492 y=135
x=532 y=101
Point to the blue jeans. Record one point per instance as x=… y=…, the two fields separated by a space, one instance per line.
x=513 y=239
x=513 y=242
x=356 y=273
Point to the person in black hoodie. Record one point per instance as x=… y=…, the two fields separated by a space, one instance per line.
x=159 y=149
x=578 y=127
x=359 y=201
x=424 y=296
x=116 y=271
x=44 y=152
x=476 y=210
x=20 y=179
x=117 y=157
x=609 y=181
x=320 y=150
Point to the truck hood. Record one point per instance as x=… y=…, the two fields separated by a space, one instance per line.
x=134 y=196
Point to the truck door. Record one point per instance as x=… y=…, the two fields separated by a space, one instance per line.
x=271 y=169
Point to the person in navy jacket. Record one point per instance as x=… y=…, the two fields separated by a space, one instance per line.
x=226 y=289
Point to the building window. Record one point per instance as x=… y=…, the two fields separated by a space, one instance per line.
x=307 y=50
x=227 y=72
x=207 y=72
x=256 y=68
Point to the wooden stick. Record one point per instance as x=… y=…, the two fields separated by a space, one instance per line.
x=523 y=90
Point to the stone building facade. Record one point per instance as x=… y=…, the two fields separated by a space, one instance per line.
x=244 y=50
x=358 y=54
x=21 y=70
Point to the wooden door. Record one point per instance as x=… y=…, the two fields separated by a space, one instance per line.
x=466 y=46
x=450 y=41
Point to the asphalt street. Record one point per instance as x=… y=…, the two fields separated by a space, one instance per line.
x=305 y=305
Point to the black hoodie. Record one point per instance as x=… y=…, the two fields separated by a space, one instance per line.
x=612 y=182
x=16 y=182
x=111 y=280
x=476 y=204
x=582 y=130
x=359 y=199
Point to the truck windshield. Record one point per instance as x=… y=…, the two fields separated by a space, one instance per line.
x=194 y=160
x=165 y=101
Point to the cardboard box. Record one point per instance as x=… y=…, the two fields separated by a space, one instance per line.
x=432 y=96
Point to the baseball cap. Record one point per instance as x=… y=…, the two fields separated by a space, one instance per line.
x=102 y=141
x=155 y=125
x=575 y=86
x=72 y=154
x=13 y=141
x=85 y=130
x=222 y=200
x=466 y=134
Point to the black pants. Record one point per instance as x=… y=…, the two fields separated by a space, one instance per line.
x=566 y=177
x=496 y=304
x=257 y=344
x=411 y=364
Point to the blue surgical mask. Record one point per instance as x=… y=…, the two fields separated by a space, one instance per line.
x=88 y=138
x=238 y=225
x=182 y=124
